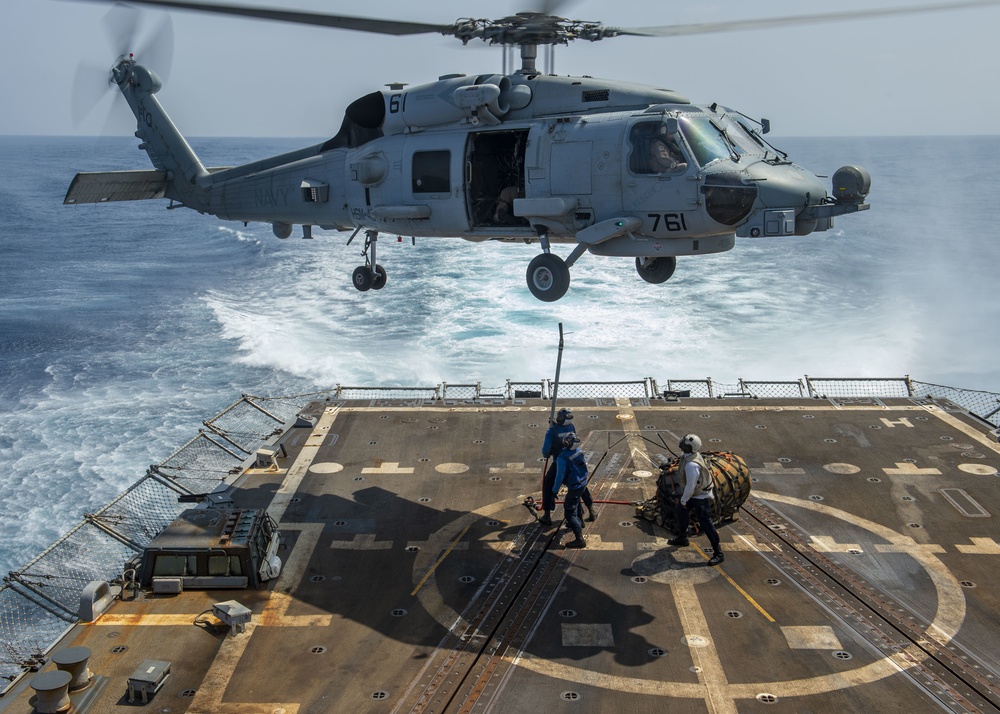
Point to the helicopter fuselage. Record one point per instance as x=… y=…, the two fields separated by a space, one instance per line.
x=616 y=169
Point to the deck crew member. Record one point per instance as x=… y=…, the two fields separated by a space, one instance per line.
x=550 y=449
x=699 y=490
x=571 y=469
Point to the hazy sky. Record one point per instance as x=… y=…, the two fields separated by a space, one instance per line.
x=926 y=74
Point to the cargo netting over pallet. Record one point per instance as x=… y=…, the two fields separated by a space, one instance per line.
x=40 y=602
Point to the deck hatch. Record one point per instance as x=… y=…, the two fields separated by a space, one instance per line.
x=964 y=503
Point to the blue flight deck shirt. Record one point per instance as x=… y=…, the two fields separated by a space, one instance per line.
x=571 y=466
x=553 y=438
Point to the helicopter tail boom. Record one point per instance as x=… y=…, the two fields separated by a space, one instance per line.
x=186 y=179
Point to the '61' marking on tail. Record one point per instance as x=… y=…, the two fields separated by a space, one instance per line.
x=671 y=221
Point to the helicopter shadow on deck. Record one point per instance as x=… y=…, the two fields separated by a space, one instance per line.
x=362 y=568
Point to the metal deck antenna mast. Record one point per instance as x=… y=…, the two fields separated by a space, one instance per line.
x=555 y=386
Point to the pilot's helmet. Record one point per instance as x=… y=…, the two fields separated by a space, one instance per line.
x=564 y=415
x=690 y=443
x=570 y=439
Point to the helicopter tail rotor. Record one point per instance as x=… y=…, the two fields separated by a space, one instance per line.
x=93 y=83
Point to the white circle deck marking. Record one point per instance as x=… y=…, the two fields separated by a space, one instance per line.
x=642 y=474
x=326 y=467
x=843 y=469
x=947 y=620
x=451 y=468
x=978 y=469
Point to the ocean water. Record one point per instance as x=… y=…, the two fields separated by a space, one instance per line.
x=123 y=326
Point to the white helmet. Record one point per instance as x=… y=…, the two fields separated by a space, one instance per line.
x=691 y=440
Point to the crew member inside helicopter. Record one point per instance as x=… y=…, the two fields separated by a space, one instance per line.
x=664 y=156
x=504 y=212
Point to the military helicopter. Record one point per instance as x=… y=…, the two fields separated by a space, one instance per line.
x=607 y=167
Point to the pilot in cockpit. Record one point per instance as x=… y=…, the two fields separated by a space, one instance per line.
x=664 y=156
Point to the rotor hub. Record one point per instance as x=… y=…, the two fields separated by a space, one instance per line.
x=529 y=28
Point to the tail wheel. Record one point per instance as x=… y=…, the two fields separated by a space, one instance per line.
x=548 y=277
x=656 y=270
x=363 y=279
x=378 y=280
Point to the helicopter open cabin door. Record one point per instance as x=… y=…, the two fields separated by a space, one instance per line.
x=495 y=177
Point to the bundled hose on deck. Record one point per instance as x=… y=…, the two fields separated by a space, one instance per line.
x=730 y=474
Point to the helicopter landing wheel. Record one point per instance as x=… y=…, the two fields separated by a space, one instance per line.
x=548 y=277
x=378 y=278
x=363 y=279
x=656 y=270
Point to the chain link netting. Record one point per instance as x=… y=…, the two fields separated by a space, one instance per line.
x=450 y=392
x=285 y=408
x=858 y=388
x=201 y=464
x=773 y=390
x=603 y=390
x=246 y=424
x=142 y=511
x=374 y=393
x=27 y=628
x=984 y=404
x=696 y=388
x=84 y=554
x=527 y=390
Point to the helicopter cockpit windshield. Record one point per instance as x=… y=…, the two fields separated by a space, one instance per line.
x=705 y=139
x=741 y=138
x=712 y=138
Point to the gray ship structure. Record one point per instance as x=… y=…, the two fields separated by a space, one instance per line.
x=379 y=550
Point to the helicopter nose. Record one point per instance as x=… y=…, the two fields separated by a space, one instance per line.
x=783 y=192
x=786 y=186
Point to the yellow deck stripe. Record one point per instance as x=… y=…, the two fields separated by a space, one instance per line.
x=440 y=560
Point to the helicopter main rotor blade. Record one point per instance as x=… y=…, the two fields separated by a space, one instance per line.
x=343 y=22
x=541 y=27
x=704 y=28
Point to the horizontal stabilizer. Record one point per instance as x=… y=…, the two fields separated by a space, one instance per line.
x=105 y=186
